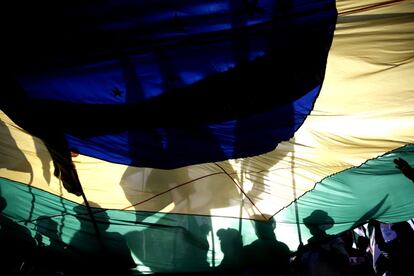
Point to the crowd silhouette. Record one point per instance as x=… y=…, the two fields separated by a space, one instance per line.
x=47 y=259
x=109 y=253
x=16 y=243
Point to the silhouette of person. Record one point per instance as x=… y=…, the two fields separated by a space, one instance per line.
x=231 y=245
x=405 y=168
x=363 y=246
x=380 y=259
x=16 y=243
x=196 y=246
x=324 y=254
x=50 y=259
x=100 y=252
x=266 y=254
x=360 y=262
x=397 y=254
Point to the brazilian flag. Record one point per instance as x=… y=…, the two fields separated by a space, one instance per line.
x=134 y=131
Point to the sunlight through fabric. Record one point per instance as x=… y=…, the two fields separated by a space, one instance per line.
x=177 y=120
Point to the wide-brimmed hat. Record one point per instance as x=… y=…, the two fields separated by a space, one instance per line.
x=319 y=218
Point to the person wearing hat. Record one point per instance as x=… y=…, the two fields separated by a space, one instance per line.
x=324 y=254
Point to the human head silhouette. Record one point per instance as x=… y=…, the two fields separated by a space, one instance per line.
x=230 y=240
x=48 y=227
x=101 y=217
x=264 y=229
x=318 y=222
x=402 y=229
x=3 y=204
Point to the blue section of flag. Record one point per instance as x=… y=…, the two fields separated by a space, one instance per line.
x=168 y=83
x=175 y=147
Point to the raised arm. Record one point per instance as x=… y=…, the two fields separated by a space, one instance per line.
x=405 y=168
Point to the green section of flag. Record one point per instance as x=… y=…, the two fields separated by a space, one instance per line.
x=160 y=242
x=157 y=242
x=375 y=189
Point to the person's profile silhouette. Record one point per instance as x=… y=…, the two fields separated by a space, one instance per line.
x=324 y=254
x=231 y=245
x=266 y=254
x=317 y=223
x=106 y=252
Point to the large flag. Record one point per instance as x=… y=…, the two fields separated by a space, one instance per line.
x=181 y=118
